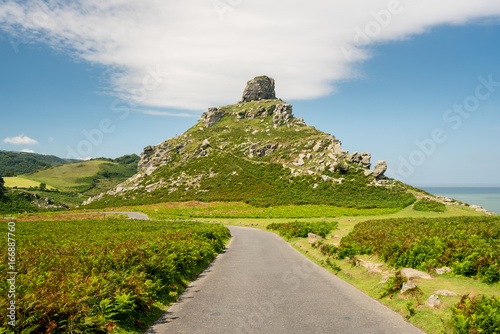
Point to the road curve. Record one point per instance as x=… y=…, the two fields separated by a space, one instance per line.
x=133 y=215
x=260 y=284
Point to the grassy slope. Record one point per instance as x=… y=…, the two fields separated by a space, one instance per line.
x=67 y=177
x=22 y=182
x=77 y=181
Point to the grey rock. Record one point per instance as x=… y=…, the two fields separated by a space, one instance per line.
x=368 y=172
x=411 y=273
x=443 y=270
x=259 y=88
x=265 y=150
x=445 y=293
x=408 y=286
x=212 y=116
x=433 y=300
x=314 y=236
x=205 y=144
x=362 y=159
x=282 y=113
x=380 y=168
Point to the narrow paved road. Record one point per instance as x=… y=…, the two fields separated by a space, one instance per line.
x=133 y=215
x=260 y=284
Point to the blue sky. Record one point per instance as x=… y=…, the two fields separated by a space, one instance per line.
x=97 y=81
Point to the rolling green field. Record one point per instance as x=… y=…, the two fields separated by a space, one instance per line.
x=73 y=183
x=71 y=177
x=22 y=182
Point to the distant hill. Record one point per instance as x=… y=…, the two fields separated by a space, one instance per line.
x=15 y=163
x=256 y=151
x=73 y=183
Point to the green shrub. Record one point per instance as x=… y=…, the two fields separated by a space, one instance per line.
x=429 y=205
x=302 y=229
x=480 y=314
x=469 y=245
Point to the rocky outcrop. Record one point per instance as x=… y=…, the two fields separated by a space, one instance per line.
x=379 y=170
x=260 y=112
x=212 y=116
x=282 y=114
x=259 y=88
x=362 y=159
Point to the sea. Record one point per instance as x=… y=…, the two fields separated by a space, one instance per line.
x=486 y=197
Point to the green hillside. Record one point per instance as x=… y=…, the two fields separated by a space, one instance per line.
x=73 y=183
x=256 y=152
x=15 y=163
x=87 y=177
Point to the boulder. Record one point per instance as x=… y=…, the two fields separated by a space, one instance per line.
x=259 y=88
x=408 y=286
x=433 y=300
x=313 y=236
x=205 y=144
x=445 y=293
x=370 y=266
x=212 y=116
x=443 y=270
x=413 y=273
x=380 y=168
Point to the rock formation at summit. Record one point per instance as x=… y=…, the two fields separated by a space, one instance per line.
x=259 y=88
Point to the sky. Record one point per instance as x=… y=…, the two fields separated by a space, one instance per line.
x=414 y=83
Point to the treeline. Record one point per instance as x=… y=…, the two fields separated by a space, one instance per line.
x=15 y=163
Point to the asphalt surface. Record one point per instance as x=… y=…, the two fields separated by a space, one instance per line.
x=134 y=215
x=260 y=284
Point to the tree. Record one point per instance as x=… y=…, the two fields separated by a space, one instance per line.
x=43 y=186
x=3 y=190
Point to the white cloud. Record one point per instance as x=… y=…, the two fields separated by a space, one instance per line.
x=197 y=54
x=20 y=140
x=27 y=150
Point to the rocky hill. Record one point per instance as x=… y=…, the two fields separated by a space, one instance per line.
x=257 y=151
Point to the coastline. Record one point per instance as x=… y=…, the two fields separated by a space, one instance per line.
x=486 y=197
